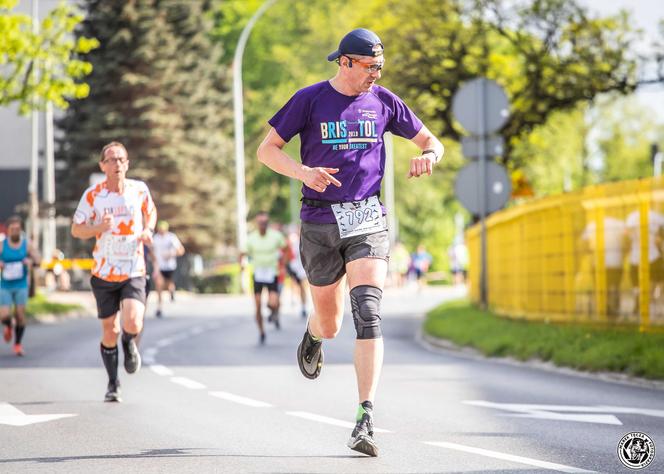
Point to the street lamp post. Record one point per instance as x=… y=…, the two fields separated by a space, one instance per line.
x=33 y=198
x=238 y=109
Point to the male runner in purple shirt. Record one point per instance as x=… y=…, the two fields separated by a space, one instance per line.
x=341 y=123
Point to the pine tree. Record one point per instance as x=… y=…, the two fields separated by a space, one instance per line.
x=157 y=88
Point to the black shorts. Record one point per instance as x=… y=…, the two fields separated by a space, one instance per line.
x=325 y=254
x=108 y=294
x=167 y=274
x=273 y=286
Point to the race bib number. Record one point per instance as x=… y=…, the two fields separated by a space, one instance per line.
x=13 y=271
x=359 y=217
x=265 y=275
x=120 y=247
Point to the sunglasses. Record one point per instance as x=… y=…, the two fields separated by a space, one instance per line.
x=369 y=68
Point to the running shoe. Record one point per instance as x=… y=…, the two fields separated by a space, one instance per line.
x=113 y=392
x=172 y=296
x=7 y=333
x=132 y=358
x=262 y=339
x=274 y=318
x=18 y=350
x=159 y=313
x=304 y=313
x=362 y=440
x=310 y=356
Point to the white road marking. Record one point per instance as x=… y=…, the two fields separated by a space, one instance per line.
x=507 y=457
x=188 y=383
x=572 y=408
x=579 y=417
x=548 y=412
x=10 y=415
x=238 y=399
x=164 y=342
x=161 y=369
x=328 y=420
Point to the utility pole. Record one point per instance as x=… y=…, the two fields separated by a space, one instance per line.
x=238 y=109
x=33 y=229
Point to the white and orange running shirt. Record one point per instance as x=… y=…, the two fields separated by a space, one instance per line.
x=118 y=253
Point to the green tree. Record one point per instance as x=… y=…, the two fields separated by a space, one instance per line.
x=554 y=154
x=549 y=55
x=157 y=87
x=286 y=51
x=608 y=141
x=42 y=67
x=552 y=56
x=624 y=131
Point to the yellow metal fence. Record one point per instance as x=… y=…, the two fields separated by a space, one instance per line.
x=595 y=255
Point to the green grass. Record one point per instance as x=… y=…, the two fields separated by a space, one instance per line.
x=40 y=305
x=578 y=346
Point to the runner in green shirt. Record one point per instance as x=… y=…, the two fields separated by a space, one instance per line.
x=265 y=247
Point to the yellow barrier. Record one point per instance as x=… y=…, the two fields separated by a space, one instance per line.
x=69 y=263
x=595 y=255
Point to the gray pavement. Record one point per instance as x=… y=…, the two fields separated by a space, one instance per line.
x=210 y=399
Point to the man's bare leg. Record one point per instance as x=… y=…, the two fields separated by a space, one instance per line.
x=368 y=352
x=259 y=316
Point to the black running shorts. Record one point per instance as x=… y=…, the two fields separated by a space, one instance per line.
x=167 y=274
x=325 y=254
x=272 y=287
x=108 y=294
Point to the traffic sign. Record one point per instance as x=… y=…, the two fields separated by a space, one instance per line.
x=481 y=106
x=468 y=187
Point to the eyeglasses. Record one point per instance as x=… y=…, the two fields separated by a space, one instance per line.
x=119 y=160
x=368 y=68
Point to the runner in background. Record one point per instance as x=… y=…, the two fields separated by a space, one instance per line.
x=17 y=257
x=120 y=214
x=265 y=248
x=166 y=247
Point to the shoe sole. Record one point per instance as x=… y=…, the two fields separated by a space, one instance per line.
x=364 y=446
x=115 y=399
x=300 y=361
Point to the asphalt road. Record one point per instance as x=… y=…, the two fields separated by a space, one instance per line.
x=210 y=399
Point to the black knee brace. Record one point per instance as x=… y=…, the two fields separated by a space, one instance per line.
x=365 y=303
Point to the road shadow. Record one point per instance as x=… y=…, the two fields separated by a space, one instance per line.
x=167 y=453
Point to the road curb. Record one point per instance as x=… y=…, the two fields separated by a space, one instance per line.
x=443 y=346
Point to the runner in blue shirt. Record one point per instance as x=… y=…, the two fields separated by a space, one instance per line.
x=17 y=256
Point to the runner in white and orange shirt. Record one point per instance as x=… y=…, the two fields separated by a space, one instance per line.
x=121 y=215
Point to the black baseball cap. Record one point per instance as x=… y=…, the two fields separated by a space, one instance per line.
x=360 y=41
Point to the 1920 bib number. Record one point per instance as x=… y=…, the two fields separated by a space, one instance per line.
x=359 y=217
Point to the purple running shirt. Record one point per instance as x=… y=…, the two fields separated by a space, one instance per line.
x=345 y=132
